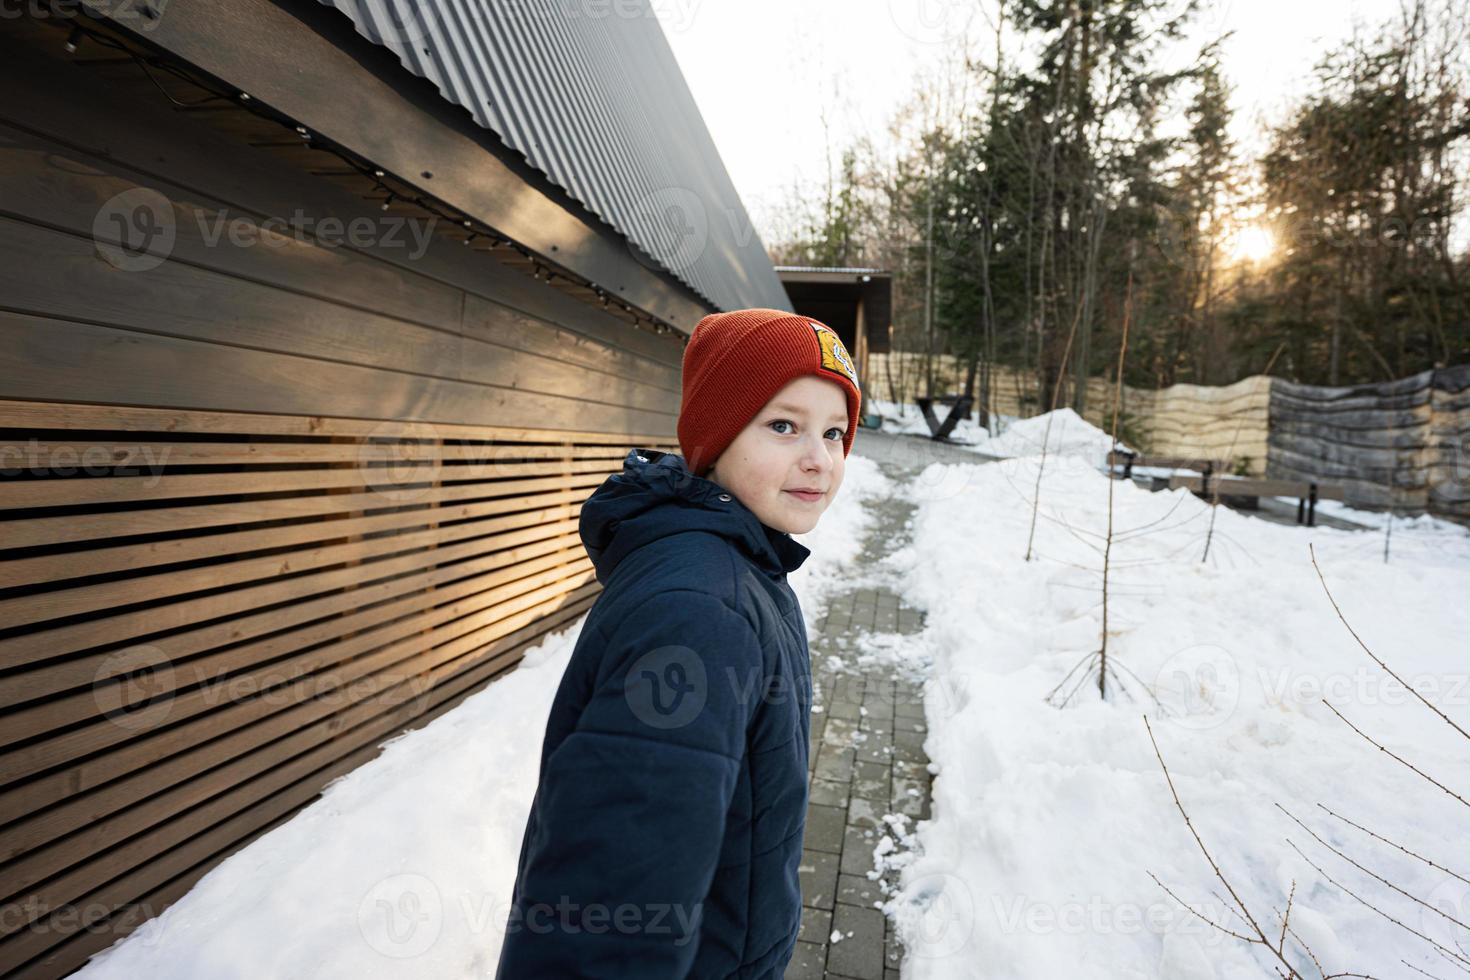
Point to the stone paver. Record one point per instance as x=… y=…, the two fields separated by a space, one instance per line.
x=867 y=760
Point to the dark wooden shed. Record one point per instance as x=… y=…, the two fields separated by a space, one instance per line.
x=857 y=303
x=305 y=369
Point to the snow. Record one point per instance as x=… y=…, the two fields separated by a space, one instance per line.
x=1064 y=432
x=1046 y=822
x=404 y=867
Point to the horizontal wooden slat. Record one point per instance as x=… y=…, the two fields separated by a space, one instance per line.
x=60 y=603
x=1169 y=462
x=344 y=613
x=125 y=557
x=144 y=455
x=66 y=187
x=73 y=361
x=73 y=527
x=194 y=303
x=407 y=680
x=203 y=717
x=23 y=414
x=36 y=857
x=341 y=755
x=119 y=628
x=64 y=492
x=1238 y=487
x=41 y=813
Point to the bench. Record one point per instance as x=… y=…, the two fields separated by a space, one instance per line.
x=1131 y=459
x=1306 y=492
x=959 y=408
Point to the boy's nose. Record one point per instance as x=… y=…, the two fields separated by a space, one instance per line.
x=817 y=455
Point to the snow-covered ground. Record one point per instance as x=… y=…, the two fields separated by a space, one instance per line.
x=404 y=867
x=1064 y=432
x=1047 y=822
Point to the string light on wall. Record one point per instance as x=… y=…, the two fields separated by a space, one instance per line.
x=148 y=64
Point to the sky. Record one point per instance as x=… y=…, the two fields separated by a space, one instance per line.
x=779 y=81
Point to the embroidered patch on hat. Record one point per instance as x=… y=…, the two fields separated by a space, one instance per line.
x=834 y=355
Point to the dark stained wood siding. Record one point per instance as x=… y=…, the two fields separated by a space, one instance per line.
x=262 y=506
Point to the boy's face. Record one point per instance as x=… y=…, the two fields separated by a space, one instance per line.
x=793 y=443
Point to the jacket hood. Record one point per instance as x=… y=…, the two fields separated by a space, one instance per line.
x=656 y=496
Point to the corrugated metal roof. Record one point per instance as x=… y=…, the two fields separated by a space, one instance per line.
x=847 y=270
x=591 y=95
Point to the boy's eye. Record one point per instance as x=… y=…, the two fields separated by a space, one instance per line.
x=833 y=433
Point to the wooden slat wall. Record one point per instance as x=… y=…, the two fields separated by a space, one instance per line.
x=1403 y=443
x=1447 y=457
x=175 y=660
x=1195 y=421
x=261 y=508
x=1207 y=422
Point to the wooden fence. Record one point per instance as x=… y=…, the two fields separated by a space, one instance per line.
x=1183 y=420
x=1403 y=444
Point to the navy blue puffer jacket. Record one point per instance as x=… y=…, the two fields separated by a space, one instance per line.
x=666 y=831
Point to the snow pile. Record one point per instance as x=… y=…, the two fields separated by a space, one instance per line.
x=905 y=417
x=1069 y=434
x=404 y=867
x=1047 y=823
x=1063 y=432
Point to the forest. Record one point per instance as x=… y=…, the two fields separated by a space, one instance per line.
x=1072 y=170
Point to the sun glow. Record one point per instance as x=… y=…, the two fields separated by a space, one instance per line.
x=1252 y=244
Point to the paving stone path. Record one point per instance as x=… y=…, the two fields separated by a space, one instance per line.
x=867 y=761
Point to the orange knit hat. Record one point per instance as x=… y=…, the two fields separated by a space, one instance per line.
x=736 y=361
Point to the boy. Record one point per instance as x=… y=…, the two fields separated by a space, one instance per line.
x=666 y=831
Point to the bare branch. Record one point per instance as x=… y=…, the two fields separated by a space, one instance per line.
x=1370 y=905
x=1437 y=867
x=1199 y=915
x=1371 y=874
x=1375 y=657
x=1396 y=758
x=1286 y=917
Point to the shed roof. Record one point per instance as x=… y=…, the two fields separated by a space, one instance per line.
x=591 y=95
